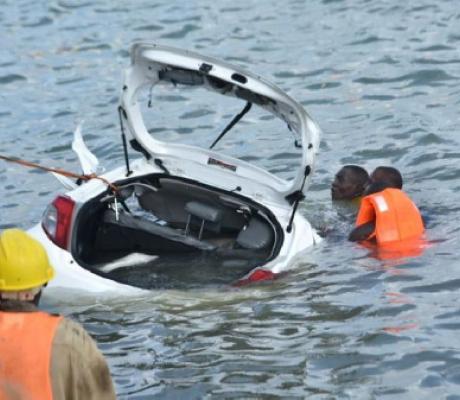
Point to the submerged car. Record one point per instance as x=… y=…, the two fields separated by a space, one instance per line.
x=185 y=214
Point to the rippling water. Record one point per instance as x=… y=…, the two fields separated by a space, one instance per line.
x=382 y=80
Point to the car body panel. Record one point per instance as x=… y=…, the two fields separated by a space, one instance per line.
x=192 y=163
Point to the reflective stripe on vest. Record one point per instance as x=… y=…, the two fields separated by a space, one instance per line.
x=396 y=216
x=25 y=354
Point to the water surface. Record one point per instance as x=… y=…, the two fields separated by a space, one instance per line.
x=381 y=79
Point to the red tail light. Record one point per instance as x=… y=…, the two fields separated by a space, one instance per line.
x=57 y=219
x=257 y=276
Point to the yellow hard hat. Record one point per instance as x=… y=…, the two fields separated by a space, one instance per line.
x=24 y=263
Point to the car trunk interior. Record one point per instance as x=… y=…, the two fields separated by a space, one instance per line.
x=167 y=232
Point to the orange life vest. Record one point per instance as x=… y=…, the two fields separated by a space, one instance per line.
x=25 y=354
x=396 y=217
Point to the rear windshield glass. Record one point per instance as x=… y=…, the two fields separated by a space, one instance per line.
x=196 y=116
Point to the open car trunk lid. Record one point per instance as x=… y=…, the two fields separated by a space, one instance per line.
x=151 y=64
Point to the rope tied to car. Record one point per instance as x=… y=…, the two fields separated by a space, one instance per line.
x=68 y=174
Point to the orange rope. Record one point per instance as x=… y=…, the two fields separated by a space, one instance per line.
x=59 y=171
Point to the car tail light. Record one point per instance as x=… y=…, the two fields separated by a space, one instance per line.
x=257 y=276
x=57 y=219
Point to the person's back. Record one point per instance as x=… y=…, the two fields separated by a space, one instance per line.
x=43 y=356
x=386 y=215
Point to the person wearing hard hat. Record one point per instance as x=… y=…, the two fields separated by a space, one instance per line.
x=42 y=356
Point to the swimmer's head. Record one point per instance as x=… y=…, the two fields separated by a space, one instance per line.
x=389 y=175
x=349 y=183
x=376 y=187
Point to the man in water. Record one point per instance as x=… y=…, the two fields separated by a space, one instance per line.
x=347 y=188
x=349 y=183
x=43 y=356
x=386 y=215
x=389 y=175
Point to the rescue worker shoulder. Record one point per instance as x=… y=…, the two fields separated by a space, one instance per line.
x=78 y=366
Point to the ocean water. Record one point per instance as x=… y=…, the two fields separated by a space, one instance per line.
x=382 y=79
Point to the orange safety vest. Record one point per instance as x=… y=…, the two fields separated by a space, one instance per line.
x=396 y=217
x=25 y=354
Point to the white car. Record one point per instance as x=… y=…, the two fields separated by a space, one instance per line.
x=182 y=215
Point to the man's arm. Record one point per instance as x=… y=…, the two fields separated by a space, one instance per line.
x=362 y=232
